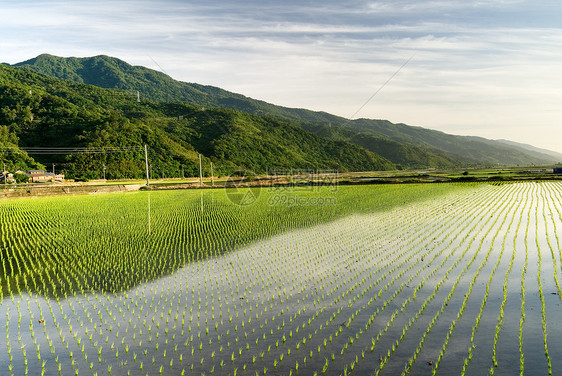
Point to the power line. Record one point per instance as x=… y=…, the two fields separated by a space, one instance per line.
x=76 y=150
x=382 y=86
x=162 y=69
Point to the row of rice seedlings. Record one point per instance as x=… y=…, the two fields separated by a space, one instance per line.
x=476 y=252
x=541 y=295
x=547 y=236
x=8 y=345
x=555 y=197
x=505 y=290
x=522 y=319
x=546 y=203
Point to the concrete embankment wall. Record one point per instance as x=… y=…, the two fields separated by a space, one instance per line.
x=49 y=190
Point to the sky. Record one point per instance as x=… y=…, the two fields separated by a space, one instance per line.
x=469 y=67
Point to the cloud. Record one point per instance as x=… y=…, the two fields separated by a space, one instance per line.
x=489 y=65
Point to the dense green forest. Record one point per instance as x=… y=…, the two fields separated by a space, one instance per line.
x=11 y=156
x=40 y=111
x=92 y=103
x=405 y=146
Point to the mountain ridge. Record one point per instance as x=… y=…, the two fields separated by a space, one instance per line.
x=406 y=146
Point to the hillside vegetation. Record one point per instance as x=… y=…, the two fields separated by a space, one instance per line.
x=404 y=145
x=41 y=111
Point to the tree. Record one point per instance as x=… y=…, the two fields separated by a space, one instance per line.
x=21 y=178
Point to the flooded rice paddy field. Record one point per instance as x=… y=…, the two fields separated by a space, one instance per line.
x=462 y=281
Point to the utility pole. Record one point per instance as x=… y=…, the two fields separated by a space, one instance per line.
x=53 y=168
x=145 y=163
x=200 y=172
x=212 y=176
x=104 y=171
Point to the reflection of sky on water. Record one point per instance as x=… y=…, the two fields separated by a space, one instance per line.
x=292 y=285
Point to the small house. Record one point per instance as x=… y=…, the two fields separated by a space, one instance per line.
x=40 y=176
x=6 y=176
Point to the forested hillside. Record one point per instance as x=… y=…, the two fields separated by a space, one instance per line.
x=404 y=145
x=40 y=111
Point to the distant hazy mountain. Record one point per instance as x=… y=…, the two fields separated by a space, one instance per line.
x=532 y=150
x=404 y=145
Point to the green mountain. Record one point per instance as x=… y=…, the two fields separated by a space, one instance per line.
x=42 y=111
x=402 y=144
